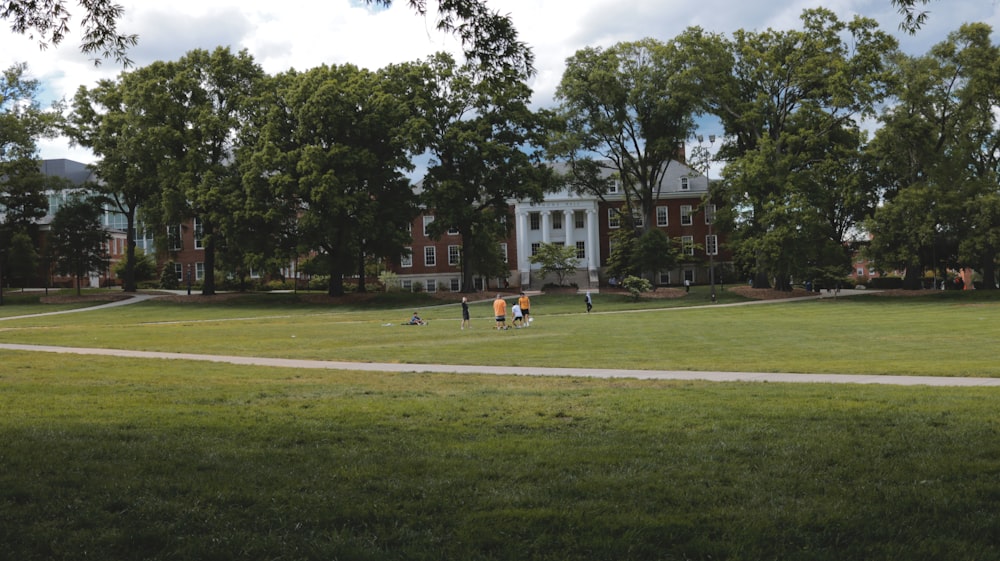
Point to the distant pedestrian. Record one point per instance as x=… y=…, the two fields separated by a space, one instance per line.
x=465 y=313
x=518 y=321
x=687 y=285
x=590 y=303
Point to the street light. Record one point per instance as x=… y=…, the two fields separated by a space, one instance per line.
x=710 y=250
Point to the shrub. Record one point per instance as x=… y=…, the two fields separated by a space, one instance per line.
x=636 y=286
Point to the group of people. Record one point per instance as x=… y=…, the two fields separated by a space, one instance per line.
x=520 y=312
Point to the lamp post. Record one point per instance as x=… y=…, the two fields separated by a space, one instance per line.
x=189 y=279
x=711 y=250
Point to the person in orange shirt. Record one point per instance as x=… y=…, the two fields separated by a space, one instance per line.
x=500 y=312
x=525 y=304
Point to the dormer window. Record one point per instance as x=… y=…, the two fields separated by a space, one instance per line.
x=685 y=184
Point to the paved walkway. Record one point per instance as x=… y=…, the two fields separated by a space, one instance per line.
x=524 y=371
x=503 y=370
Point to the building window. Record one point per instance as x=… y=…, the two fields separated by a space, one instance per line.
x=179 y=271
x=199 y=234
x=579 y=220
x=615 y=186
x=406 y=285
x=638 y=219
x=687 y=245
x=430 y=256
x=199 y=271
x=453 y=231
x=427 y=222
x=174 y=238
x=453 y=254
x=709 y=214
x=665 y=278
x=535 y=220
x=685 y=184
x=557 y=221
x=432 y=285
x=686 y=215
x=503 y=251
x=689 y=275
x=662 y=217
x=861 y=271
x=712 y=245
x=614 y=220
x=534 y=248
x=455 y=284
x=581 y=250
x=406 y=260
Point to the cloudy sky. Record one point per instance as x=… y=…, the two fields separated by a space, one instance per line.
x=305 y=33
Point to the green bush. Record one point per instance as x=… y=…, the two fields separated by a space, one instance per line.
x=636 y=286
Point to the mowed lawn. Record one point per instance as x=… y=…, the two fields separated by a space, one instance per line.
x=939 y=334
x=113 y=458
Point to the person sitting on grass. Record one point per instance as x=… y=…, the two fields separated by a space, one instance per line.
x=415 y=320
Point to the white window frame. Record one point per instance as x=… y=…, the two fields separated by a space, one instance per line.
x=534 y=221
x=663 y=216
x=535 y=246
x=430 y=256
x=199 y=234
x=557 y=221
x=406 y=259
x=454 y=254
x=614 y=219
x=432 y=285
x=199 y=271
x=711 y=244
x=581 y=250
x=687 y=245
x=687 y=219
x=709 y=214
x=174 y=238
x=427 y=222
x=579 y=219
x=685 y=184
x=503 y=251
x=615 y=187
x=455 y=284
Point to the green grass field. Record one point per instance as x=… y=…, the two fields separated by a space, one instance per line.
x=113 y=458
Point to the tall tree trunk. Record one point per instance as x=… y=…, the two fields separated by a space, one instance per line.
x=335 y=286
x=129 y=281
x=989 y=270
x=468 y=285
x=208 y=235
x=361 y=269
x=912 y=278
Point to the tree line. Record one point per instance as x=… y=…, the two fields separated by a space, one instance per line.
x=315 y=161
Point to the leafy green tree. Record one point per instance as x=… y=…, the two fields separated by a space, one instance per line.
x=78 y=240
x=555 y=259
x=22 y=184
x=938 y=155
x=50 y=22
x=22 y=259
x=624 y=111
x=209 y=95
x=654 y=253
x=127 y=123
x=484 y=144
x=335 y=146
x=792 y=103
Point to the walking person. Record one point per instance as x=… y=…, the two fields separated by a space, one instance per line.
x=465 y=314
x=590 y=303
x=525 y=304
x=500 y=312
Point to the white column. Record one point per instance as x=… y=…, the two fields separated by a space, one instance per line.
x=593 y=248
x=546 y=226
x=569 y=225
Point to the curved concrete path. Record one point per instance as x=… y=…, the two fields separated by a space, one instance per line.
x=524 y=370
x=501 y=370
